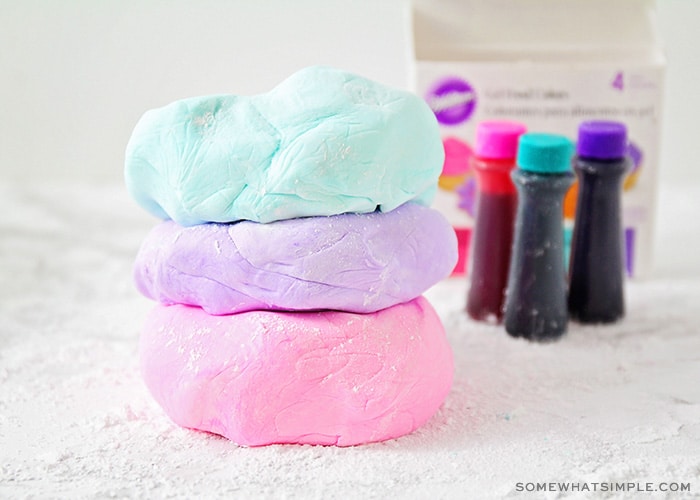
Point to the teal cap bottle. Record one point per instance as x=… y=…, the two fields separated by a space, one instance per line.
x=544 y=153
x=536 y=305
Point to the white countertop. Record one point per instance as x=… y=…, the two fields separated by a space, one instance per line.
x=618 y=403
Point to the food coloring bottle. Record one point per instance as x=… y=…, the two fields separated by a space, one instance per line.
x=536 y=305
x=596 y=264
x=495 y=149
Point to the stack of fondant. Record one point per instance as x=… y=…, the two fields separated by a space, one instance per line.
x=290 y=274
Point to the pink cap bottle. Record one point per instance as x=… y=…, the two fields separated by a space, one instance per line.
x=495 y=150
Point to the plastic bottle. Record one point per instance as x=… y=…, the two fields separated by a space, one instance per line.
x=596 y=265
x=495 y=150
x=536 y=305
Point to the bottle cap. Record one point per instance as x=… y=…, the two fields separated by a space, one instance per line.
x=544 y=153
x=602 y=140
x=497 y=140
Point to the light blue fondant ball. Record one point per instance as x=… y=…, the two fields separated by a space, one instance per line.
x=323 y=142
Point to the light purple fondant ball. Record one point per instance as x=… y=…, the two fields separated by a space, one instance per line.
x=350 y=262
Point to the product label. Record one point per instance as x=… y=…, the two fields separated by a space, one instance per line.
x=452 y=100
x=551 y=98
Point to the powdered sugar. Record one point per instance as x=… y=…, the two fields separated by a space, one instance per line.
x=613 y=403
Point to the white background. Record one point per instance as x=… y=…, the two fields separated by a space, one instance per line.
x=75 y=76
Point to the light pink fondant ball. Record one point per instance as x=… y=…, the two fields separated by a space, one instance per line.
x=330 y=377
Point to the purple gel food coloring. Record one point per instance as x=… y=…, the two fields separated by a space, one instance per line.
x=596 y=264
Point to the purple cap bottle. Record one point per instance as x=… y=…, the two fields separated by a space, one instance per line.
x=596 y=264
x=601 y=140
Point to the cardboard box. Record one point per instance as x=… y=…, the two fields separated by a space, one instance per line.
x=549 y=64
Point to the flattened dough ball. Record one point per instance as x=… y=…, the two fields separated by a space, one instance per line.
x=330 y=378
x=349 y=262
x=322 y=142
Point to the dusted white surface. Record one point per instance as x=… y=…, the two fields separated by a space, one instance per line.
x=614 y=403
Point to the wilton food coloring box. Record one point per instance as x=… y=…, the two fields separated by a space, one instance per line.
x=549 y=64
